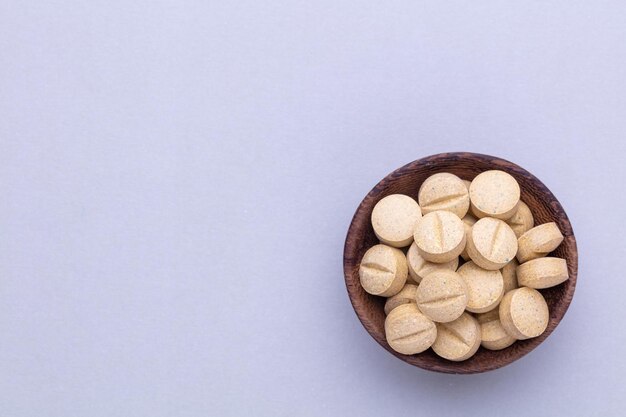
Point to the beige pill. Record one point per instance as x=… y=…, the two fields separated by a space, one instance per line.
x=383 y=270
x=492 y=333
x=442 y=296
x=468 y=222
x=484 y=288
x=444 y=191
x=408 y=331
x=509 y=275
x=524 y=313
x=420 y=267
x=491 y=243
x=458 y=340
x=405 y=296
x=542 y=272
x=522 y=221
x=394 y=218
x=538 y=242
x=494 y=194
x=440 y=236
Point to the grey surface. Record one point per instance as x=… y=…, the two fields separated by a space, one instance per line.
x=177 y=178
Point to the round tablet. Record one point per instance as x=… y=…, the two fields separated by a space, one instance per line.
x=538 y=242
x=542 y=272
x=394 y=218
x=484 y=288
x=442 y=296
x=509 y=275
x=458 y=340
x=405 y=296
x=439 y=236
x=522 y=221
x=444 y=191
x=492 y=334
x=383 y=270
x=468 y=222
x=491 y=243
x=420 y=267
x=494 y=194
x=524 y=313
x=408 y=331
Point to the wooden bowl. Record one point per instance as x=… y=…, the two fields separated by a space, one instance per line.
x=407 y=180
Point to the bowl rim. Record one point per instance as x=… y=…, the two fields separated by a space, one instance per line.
x=350 y=249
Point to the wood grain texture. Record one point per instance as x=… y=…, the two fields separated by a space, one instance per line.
x=407 y=180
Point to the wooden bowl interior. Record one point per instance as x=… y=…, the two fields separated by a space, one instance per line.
x=407 y=180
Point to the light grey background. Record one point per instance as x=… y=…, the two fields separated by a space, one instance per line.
x=177 y=178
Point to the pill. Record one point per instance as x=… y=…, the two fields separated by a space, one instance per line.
x=522 y=221
x=492 y=333
x=542 y=272
x=383 y=270
x=468 y=222
x=420 y=267
x=444 y=191
x=408 y=331
x=457 y=340
x=524 y=313
x=538 y=242
x=405 y=296
x=509 y=275
x=484 y=288
x=495 y=194
x=491 y=243
x=394 y=218
x=440 y=236
x=442 y=296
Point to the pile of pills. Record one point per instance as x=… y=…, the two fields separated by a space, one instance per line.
x=461 y=266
